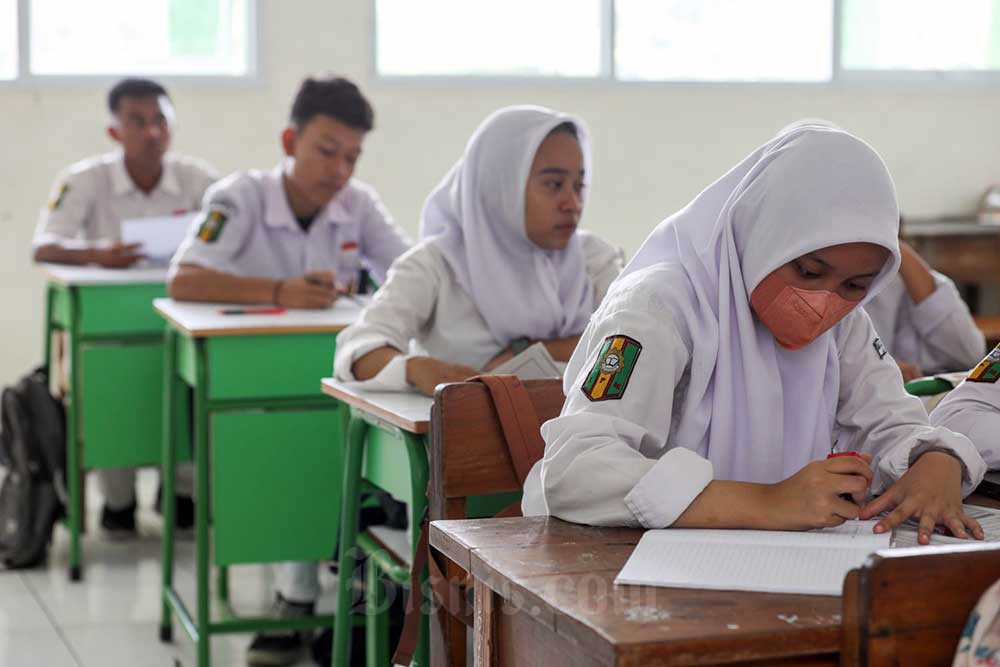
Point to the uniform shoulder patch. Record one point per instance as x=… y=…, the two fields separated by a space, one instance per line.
x=212 y=224
x=988 y=369
x=880 y=348
x=609 y=377
x=60 y=198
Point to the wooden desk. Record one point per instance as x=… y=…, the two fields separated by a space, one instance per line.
x=967 y=252
x=386 y=444
x=545 y=596
x=990 y=326
x=261 y=430
x=115 y=354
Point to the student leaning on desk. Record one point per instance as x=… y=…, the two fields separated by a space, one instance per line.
x=501 y=262
x=299 y=234
x=82 y=225
x=731 y=357
x=294 y=236
x=91 y=198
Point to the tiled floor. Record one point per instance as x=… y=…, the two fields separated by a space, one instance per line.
x=111 y=618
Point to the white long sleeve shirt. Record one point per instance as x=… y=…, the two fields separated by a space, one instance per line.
x=616 y=462
x=973 y=409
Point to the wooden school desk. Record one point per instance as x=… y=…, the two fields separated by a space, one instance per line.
x=567 y=610
x=262 y=448
x=115 y=360
x=386 y=445
x=990 y=326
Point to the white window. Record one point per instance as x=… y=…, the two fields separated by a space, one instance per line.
x=921 y=35
x=724 y=40
x=8 y=40
x=488 y=38
x=110 y=38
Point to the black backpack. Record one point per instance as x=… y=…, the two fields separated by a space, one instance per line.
x=33 y=449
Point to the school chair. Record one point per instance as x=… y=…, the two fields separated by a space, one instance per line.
x=909 y=606
x=484 y=440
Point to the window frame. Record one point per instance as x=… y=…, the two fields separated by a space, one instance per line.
x=839 y=76
x=25 y=78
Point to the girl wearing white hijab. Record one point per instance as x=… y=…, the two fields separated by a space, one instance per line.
x=920 y=316
x=731 y=357
x=501 y=264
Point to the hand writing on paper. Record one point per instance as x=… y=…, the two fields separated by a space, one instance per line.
x=426 y=373
x=118 y=255
x=313 y=290
x=931 y=491
x=811 y=498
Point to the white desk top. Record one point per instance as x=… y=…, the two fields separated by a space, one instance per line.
x=410 y=411
x=70 y=275
x=205 y=319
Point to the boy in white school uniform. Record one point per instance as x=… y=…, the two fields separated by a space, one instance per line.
x=82 y=225
x=295 y=236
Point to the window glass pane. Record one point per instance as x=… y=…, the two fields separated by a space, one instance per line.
x=921 y=35
x=486 y=37
x=183 y=37
x=724 y=40
x=8 y=40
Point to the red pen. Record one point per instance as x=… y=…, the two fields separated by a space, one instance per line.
x=252 y=311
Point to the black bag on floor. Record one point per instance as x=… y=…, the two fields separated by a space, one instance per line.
x=33 y=446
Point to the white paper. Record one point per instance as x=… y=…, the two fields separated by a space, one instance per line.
x=534 y=363
x=812 y=562
x=160 y=236
x=905 y=535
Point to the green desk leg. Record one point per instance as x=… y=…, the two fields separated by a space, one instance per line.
x=168 y=476
x=203 y=619
x=354 y=444
x=74 y=466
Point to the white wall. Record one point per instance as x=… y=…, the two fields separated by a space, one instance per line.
x=655 y=146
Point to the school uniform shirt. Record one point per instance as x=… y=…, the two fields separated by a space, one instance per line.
x=938 y=334
x=248 y=229
x=973 y=408
x=91 y=198
x=423 y=301
x=676 y=382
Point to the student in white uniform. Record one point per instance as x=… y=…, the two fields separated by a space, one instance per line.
x=731 y=357
x=501 y=264
x=299 y=234
x=924 y=322
x=91 y=198
x=295 y=236
x=973 y=409
x=920 y=316
x=82 y=225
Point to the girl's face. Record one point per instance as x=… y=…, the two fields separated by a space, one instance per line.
x=846 y=270
x=553 y=198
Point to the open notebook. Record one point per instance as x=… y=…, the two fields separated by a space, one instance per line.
x=812 y=562
x=534 y=363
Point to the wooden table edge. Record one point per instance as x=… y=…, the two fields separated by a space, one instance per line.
x=417 y=428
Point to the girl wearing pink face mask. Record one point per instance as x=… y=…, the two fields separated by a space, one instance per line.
x=731 y=357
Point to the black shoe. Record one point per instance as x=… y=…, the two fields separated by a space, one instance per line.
x=281 y=647
x=183 y=509
x=119 y=524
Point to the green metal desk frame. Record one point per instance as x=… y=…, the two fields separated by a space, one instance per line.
x=373 y=449
x=265 y=503
x=113 y=402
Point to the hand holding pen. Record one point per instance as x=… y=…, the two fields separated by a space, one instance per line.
x=316 y=290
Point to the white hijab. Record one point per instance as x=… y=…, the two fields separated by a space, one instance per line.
x=761 y=412
x=476 y=216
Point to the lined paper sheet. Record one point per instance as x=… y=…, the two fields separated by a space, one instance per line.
x=812 y=563
x=906 y=534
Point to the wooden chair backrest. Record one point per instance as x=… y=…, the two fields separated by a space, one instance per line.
x=908 y=607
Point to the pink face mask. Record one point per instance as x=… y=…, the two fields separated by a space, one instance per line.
x=797 y=316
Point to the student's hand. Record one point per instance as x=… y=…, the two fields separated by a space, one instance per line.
x=811 y=497
x=426 y=373
x=931 y=491
x=502 y=358
x=118 y=255
x=313 y=290
x=909 y=371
